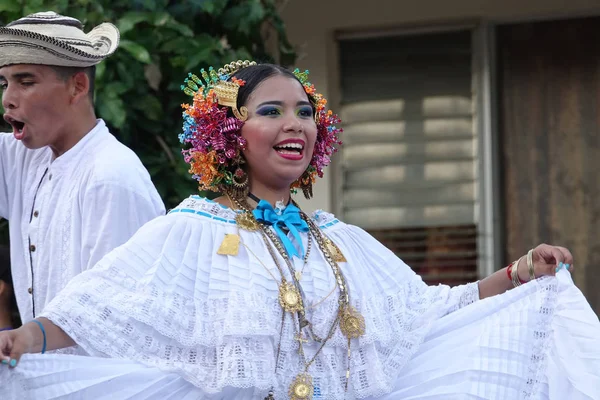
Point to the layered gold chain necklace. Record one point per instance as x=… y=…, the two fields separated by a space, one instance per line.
x=292 y=300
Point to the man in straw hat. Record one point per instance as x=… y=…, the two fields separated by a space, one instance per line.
x=69 y=189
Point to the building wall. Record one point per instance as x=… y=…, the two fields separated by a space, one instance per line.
x=550 y=134
x=312 y=25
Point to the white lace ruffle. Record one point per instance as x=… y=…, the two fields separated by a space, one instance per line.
x=166 y=299
x=539 y=341
x=206 y=208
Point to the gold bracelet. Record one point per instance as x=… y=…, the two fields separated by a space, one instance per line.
x=530 y=265
x=515 y=273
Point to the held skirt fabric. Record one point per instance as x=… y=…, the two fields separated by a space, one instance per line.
x=165 y=317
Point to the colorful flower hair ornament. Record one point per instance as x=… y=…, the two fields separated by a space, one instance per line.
x=327 y=136
x=214 y=139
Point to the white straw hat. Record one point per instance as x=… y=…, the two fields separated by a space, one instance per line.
x=48 y=38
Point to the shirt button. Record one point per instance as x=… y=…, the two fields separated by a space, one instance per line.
x=30 y=290
x=32 y=248
x=36 y=214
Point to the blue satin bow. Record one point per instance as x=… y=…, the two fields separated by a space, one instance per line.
x=289 y=218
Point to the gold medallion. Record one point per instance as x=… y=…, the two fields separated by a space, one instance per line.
x=352 y=323
x=301 y=388
x=230 y=245
x=289 y=297
x=335 y=252
x=247 y=222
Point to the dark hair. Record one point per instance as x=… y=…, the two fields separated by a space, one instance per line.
x=6 y=276
x=255 y=75
x=66 y=73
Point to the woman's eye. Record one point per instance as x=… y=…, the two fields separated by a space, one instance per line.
x=306 y=112
x=268 y=111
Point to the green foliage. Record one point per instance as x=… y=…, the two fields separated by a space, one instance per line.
x=137 y=89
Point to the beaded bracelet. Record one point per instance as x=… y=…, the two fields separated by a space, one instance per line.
x=43 y=333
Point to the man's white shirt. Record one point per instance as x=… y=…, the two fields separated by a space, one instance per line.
x=66 y=213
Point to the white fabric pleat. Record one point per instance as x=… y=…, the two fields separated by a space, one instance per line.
x=480 y=352
x=206 y=326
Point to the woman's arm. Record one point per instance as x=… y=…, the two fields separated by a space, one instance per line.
x=496 y=283
x=546 y=259
x=30 y=339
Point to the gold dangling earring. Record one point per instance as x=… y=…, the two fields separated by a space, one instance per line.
x=240 y=182
x=306 y=185
x=307 y=191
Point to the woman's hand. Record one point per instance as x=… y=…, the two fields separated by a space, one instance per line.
x=546 y=261
x=15 y=343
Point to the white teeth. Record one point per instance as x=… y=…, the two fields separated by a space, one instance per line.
x=288 y=152
x=297 y=146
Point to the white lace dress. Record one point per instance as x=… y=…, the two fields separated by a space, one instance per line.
x=165 y=317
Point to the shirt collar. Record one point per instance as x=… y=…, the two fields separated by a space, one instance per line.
x=88 y=141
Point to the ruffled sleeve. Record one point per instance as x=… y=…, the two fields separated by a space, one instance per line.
x=167 y=299
x=389 y=274
x=398 y=307
x=157 y=299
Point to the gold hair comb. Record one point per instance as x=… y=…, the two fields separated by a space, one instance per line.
x=227 y=91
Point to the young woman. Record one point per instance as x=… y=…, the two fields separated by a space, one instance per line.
x=247 y=297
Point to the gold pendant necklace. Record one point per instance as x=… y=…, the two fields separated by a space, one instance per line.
x=289 y=297
x=302 y=387
x=247 y=222
x=350 y=321
x=298 y=272
x=230 y=245
x=336 y=253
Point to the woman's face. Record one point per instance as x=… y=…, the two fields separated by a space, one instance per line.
x=281 y=132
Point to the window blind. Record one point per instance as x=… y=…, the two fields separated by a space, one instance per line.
x=409 y=158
